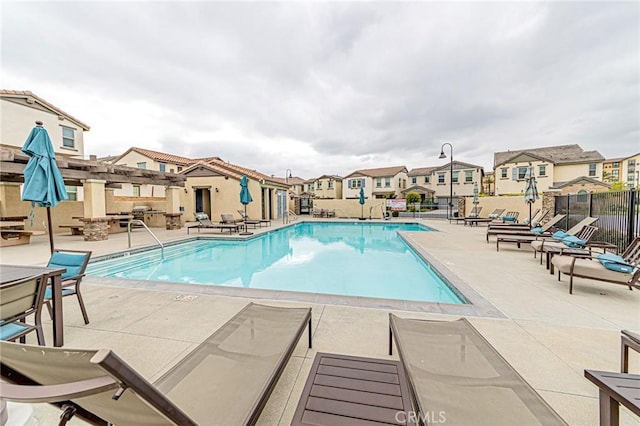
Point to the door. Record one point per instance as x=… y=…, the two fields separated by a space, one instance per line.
x=203 y=200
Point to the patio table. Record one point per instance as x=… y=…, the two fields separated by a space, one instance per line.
x=11 y=273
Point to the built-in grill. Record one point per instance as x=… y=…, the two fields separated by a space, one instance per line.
x=139 y=211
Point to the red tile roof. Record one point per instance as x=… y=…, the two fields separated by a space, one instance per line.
x=28 y=95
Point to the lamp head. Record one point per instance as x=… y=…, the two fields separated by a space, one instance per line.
x=442 y=154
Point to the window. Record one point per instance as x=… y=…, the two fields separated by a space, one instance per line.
x=440 y=177
x=582 y=196
x=136 y=190
x=310 y=187
x=426 y=179
x=387 y=182
x=179 y=168
x=616 y=165
x=163 y=167
x=468 y=176
x=330 y=183
x=454 y=177
x=519 y=173
x=319 y=184
x=68 y=137
x=503 y=173
x=632 y=162
x=630 y=178
x=72 y=192
x=592 y=169
x=142 y=165
x=414 y=180
x=615 y=172
x=356 y=183
x=542 y=170
x=378 y=182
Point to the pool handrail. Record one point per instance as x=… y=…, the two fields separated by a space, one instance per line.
x=150 y=232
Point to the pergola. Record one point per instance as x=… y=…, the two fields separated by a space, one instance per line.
x=75 y=171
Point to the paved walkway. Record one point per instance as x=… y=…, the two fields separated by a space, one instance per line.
x=548 y=335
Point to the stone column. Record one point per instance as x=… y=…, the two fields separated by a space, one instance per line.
x=10 y=196
x=173 y=215
x=548 y=202
x=96 y=225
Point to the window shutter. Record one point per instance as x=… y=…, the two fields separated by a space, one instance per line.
x=349 y=183
x=514 y=173
x=363 y=181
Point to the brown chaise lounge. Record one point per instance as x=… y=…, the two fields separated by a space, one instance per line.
x=492 y=216
x=458 y=377
x=226 y=380
x=590 y=268
x=506 y=232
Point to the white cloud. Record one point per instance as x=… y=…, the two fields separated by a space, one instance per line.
x=331 y=87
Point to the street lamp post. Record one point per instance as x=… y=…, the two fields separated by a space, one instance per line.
x=443 y=155
x=285 y=214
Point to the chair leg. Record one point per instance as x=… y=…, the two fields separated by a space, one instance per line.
x=48 y=303
x=82 y=308
x=40 y=335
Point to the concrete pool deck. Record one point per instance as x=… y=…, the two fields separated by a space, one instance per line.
x=546 y=334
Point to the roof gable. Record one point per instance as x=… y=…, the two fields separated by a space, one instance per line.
x=27 y=98
x=561 y=154
x=379 y=172
x=580 y=179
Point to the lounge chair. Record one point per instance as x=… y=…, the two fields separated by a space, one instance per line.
x=508 y=218
x=536 y=217
x=538 y=244
x=226 y=380
x=474 y=213
x=254 y=222
x=624 y=271
x=75 y=262
x=205 y=223
x=524 y=231
x=453 y=370
x=628 y=339
x=228 y=218
x=18 y=300
x=491 y=217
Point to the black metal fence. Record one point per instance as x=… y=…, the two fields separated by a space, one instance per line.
x=618 y=214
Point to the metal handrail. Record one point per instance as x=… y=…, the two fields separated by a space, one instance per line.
x=147 y=228
x=291 y=213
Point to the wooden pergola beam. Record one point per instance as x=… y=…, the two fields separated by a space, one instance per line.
x=74 y=171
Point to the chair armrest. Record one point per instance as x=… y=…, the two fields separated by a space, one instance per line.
x=56 y=393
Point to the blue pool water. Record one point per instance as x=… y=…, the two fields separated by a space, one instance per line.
x=353 y=259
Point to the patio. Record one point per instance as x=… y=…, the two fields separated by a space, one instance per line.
x=547 y=335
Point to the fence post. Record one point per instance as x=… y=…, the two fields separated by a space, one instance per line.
x=631 y=219
x=590 y=204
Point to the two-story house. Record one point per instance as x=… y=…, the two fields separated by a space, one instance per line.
x=553 y=167
x=622 y=169
x=19 y=111
x=437 y=183
x=325 y=187
x=147 y=159
x=385 y=182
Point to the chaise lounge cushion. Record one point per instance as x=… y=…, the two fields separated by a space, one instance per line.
x=559 y=235
x=537 y=230
x=589 y=268
x=573 y=242
x=615 y=263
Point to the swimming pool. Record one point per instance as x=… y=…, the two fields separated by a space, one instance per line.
x=344 y=258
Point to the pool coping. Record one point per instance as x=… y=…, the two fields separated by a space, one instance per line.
x=476 y=306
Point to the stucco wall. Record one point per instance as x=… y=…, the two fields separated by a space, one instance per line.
x=16 y=121
x=564 y=173
x=509 y=186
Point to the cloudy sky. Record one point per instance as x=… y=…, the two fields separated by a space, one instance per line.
x=328 y=87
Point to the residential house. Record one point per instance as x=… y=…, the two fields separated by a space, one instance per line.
x=580 y=185
x=213 y=187
x=438 y=183
x=147 y=159
x=420 y=182
x=385 y=182
x=622 y=169
x=552 y=165
x=19 y=111
x=325 y=187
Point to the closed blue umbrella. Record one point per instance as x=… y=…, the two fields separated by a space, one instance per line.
x=43 y=182
x=245 y=198
x=531 y=190
x=361 y=201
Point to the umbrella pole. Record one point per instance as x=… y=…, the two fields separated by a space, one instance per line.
x=530 y=218
x=50 y=229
